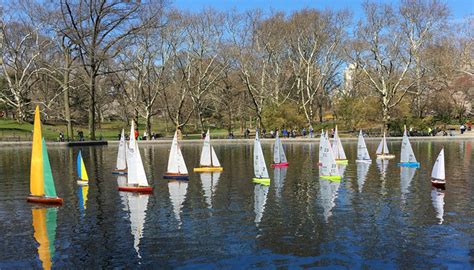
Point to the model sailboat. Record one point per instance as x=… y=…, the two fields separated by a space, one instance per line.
x=259 y=166
x=279 y=157
x=121 y=167
x=136 y=181
x=328 y=168
x=81 y=171
x=362 y=153
x=382 y=150
x=42 y=189
x=323 y=137
x=407 y=157
x=209 y=161
x=438 y=178
x=44 y=225
x=176 y=166
x=337 y=149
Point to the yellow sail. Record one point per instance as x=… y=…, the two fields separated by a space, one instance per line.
x=41 y=236
x=84 y=175
x=36 y=171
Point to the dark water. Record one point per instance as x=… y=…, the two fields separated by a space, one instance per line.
x=377 y=217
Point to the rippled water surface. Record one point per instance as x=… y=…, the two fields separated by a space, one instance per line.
x=379 y=216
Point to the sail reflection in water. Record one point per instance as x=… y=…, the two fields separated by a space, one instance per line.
x=406 y=176
x=136 y=204
x=437 y=198
x=178 y=190
x=328 y=194
x=382 y=164
x=209 y=183
x=82 y=193
x=279 y=174
x=362 y=171
x=260 y=199
x=44 y=224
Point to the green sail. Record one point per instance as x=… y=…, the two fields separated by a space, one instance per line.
x=51 y=216
x=49 y=189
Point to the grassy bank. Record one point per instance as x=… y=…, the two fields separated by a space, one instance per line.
x=10 y=130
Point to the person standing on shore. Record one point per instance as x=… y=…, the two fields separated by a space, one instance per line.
x=462 y=128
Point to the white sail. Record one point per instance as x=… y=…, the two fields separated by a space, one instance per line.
x=176 y=161
x=136 y=171
x=278 y=152
x=178 y=190
x=215 y=160
x=137 y=204
x=362 y=171
x=383 y=147
x=209 y=182
x=206 y=152
x=438 y=168
x=321 y=146
x=362 y=153
x=437 y=198
x=260 y=199
x=259 y=166
x=121 y=155
x=328 y=194
x=406 y=155
x=337 y=147
x=328 y=162
x=279 y=174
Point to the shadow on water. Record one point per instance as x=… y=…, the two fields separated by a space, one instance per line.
x=378 y=216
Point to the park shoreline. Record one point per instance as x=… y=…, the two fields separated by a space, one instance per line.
x=251 y=140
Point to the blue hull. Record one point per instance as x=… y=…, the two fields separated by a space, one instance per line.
x=176 y=177
x=409 y=164
x=120 y=173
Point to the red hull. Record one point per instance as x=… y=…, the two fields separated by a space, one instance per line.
x=137 y=189
x=280 y=165
x=45 y=200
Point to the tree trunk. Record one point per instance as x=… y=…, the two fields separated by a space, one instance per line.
x=148 y=125
x=67 y=111
x=92 y=104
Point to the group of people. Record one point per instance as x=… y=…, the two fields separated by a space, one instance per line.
x=286 y=133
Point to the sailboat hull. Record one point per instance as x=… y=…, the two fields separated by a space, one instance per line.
x=385 y=156
x=263 y=181
x=176 y=176
x=409 y=164
x=280 y=165
x=121 y=172
x=82 y=183
x=208 y=169
x=45 y=200
x=368 y=161
x=437 y=183
x=331 y=177
x=342 y=161
x=139 y=189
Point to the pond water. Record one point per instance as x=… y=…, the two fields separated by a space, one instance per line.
x=378 y=216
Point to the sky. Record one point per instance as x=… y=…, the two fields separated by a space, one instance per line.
x=459 y=8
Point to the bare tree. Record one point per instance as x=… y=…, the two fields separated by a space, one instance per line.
x=98 y=28
x=421 y=19
x=382 y=53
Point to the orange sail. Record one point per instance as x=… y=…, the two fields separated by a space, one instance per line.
x=36 y=171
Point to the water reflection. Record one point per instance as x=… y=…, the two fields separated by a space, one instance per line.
x=406 y=176
x=178 y=190
x=279 y=175
x=342 y=169
x=362 y=171
x=82 y=193
x=136 y=205
x=328 y=193
x=209 y=183
x=260 y=199
x=382 y=164
x=44 y=224
x=437 y=198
